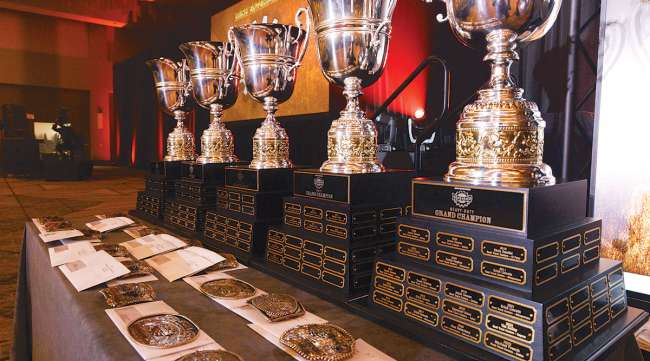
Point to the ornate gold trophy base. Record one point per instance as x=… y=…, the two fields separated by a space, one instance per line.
x=217 y=142
x=270 y=142
x=180 y=142
x=500 y=137
x=352 y=139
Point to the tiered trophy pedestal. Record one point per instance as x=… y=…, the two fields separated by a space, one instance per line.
x=195 y=194
x=514 y=271
x=159 y=188
x=333 y=228
x=249 y=202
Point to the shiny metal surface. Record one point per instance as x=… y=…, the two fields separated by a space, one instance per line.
x=353 y=38
x=270 y=54
x=172 y=89
x=214 y=75
x=500 y=137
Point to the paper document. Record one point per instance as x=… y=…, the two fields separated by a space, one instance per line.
x=70 y=252
x=109 y=224
x=92 y=270
x=151 y=245
x=184 y=262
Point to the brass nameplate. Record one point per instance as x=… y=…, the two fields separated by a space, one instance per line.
x=413 y=251
x=388 y=286
x=513 y=309
x=313 y=247
x=276 y=247
x=579 y=297
x=387 y=301
x=336 y=254
x=591 y=254
x=599 y=303
x=616 y=291
x=561 y=348
x=390 y=271
x=363 y=232
x=461 y=329
x=248 y=198
x=221 y=219
x=558 y=330
x=291 y=263
x=246 y=247
x=464 y=294
x=276 y=236
x=414 y=233
x=334 y=231
x=293 y=241
x=313 y=226
x=455 y=241
x=425 y=282
x=313 y=212
x=334 y=280
x=292 y=221
x=421 y=314
x=510 y=328
x=547 y=252
x=598 y=287
x=246 y=227
x=292 y=208
x=235 y=207
x=233 y=196
x=390 y=213
x=293 y=253
x=223 y=204
x=452 y=260
x=546 y=274
x=571 y=243
x=570 y=263
x=507 y=347
x=311 y=271
x=592 y=236
x=273 y=257
x=336 y=217
x=600 y=320
x=248 y=210
x=618 y=307
x=364 y=217
x=232 y=223
x=422 y=298
x=338 y=268
x=557 y=310
x=615 y=277
x=582 y=333
x=504 y=251
x=463 y=312
x=245 y=236
x=312 y=259
x=504 y=273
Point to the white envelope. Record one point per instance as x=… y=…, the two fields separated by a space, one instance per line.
x=48 y=237
x=151 y=245
x=184 y=262
x=109 y=224
x=70 y=252
x=92 y=270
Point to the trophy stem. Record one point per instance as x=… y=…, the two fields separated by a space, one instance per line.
x=500 y=137
x=352 y=139
x=270 y=142
x=217 y=142
x=180 y=142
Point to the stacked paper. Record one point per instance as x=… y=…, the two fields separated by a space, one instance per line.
x=109 y=224
x=151 y=245
x=184 y=262
x=93 y=269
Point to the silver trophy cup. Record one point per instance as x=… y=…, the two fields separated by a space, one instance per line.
x=214 y=74
x=500 y=137
x=270 y=54
x=353 y=38
x=173 y=91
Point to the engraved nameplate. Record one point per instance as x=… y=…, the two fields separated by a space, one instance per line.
x=390 y=271
x=463 y=312
x=510 y=348
x=413 y=251
x=390 y=287
x=461 y=329
x=464 y=294
x=424 y=282
x=455 y=261
x=504 y=251
x=503 y=272
x=512 y=309
x=455 y=241
x=422 y=298
x=388 y=301
x=421 y=314
x=414 y=233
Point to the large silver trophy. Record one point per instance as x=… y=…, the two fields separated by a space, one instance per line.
x=353 y=37
x=173 y=91
x=214 y=74
x=500 y=137
x=270 y=54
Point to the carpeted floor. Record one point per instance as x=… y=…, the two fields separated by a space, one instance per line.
x=110 y=190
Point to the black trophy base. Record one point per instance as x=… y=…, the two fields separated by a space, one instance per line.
x=210 y=173
x=342 y=223
x=185 y=218
x=258 y=180
x=159 y=185
x=528 y=264
x=260 y=205
x=150 y=204
x=548 y=327
x=241 y=235
x=196 y=192
x=343 y=272
x=522 y=210
x=168 y=170
x=392 y=186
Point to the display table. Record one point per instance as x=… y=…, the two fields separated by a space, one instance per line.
x=55 y=322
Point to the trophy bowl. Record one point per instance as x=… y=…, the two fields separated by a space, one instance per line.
x=353 y=39
x=500 y=137
x=270 y=54
x=214 y=75
x=173 y=95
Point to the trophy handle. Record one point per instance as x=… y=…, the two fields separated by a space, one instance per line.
x=299 y=24
x=232 y=48
x=375 y=42
x=233 y=40
x=542 y=29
